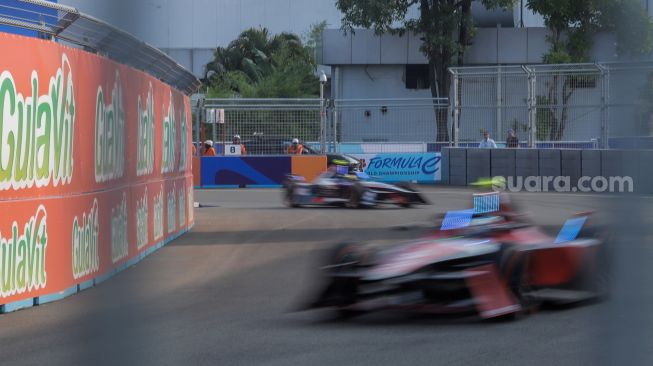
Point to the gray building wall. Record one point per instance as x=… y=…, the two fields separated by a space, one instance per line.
x=371 y=66
x=188 y=30
x=365 y=121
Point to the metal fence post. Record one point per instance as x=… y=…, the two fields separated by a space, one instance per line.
x=199 y=110
x=214 y=134
x=532 y=106
x=334 y=120
x=456 y=107
x=605 y=98
x=499 y=114
x=322 y=120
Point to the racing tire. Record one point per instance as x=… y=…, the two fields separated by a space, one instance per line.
x=596 y=275
x=289 y=195
x=355 y=196
x=343 y=291
x=409 y=187
x=514 y=267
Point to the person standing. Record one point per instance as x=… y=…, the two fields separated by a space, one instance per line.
x=512 y=141
x=295 y=148
x=487 y=142
x=236 y=141
x=208 y=149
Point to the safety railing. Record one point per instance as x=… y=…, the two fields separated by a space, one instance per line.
x=68 y=25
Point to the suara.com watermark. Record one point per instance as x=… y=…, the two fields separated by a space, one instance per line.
x=600 y=184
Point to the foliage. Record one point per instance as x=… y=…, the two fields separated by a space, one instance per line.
x=572 y=25
x=445 y=28
x=632 y=25
x=313 y=39
x=257 y=65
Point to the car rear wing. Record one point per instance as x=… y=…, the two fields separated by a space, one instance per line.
x=484 y=203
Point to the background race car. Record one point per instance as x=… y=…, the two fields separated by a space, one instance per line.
x=340 y=185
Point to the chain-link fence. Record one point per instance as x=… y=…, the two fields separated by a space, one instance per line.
x=265 y=126
x=386 y=125
x=573 y=105
x=490 y=99
x=630 y=104
x=547 y=106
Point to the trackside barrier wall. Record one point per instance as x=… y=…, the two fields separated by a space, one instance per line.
x=95 y=169
x=463 y=166
x=257 y=171
x=270 y=171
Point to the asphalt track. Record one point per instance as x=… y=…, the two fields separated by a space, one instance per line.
x=223 y=294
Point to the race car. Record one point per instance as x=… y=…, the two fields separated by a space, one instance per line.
x=479 y=261
x=342 y=185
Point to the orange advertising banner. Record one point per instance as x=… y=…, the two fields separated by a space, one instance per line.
x=95 y=166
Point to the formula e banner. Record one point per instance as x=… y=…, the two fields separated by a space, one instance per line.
x=95 y=166
x=400 y=167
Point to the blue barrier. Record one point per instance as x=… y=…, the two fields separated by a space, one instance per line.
x=247 y=170
x=631 y=143
x=438 y=146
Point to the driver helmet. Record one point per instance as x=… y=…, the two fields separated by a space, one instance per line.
x=209 y=143
x=236 y=139
x=295 y=141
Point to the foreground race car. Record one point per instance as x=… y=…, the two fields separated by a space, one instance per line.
x=488 y=263
x=342 y=186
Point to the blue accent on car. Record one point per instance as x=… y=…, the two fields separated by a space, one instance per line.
x=570 y=229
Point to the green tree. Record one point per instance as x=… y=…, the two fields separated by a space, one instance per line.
x=257 y=65
x=445 y=28
x=572 y=25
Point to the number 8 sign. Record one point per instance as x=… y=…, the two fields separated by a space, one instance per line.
x=232 y=149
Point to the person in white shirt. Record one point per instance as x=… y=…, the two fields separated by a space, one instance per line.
x=487 y=142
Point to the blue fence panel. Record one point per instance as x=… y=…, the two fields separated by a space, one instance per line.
x=245 y=171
